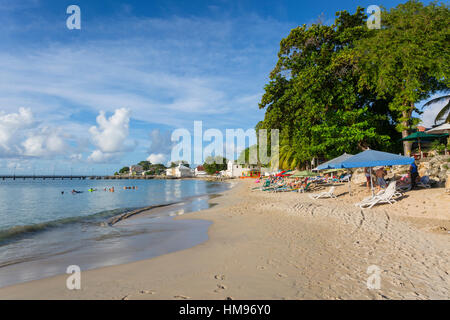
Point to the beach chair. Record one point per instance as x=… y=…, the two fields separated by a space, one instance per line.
x=325 y=194
x=424 y=182
x=345 y=178
x=370 y=199
x=388 y=196
x=305 y=189
x=404 y=187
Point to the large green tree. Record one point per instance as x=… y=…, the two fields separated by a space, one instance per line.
x=215 y=164
x=407 y=60
x=313 y=96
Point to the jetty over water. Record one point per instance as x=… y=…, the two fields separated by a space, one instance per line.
x=71 y=177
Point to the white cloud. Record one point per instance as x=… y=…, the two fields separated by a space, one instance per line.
x=156 y=158
x=44 y=142
x=22 y=136
x=111 y=135
x=172 y=72
x=10 y=126
x=99 y=156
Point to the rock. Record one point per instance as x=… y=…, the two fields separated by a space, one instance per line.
x=447 y=183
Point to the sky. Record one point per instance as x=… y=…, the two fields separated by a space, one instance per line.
x=110 y=94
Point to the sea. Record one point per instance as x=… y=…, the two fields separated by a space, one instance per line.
x=45 y=227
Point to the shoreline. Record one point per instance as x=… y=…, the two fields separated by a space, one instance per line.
x=133 y=235
x=283 y=246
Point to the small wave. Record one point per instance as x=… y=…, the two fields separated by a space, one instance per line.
x=18 y=231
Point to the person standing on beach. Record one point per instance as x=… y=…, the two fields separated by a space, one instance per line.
x=413 y=173
x=368 y=177
x=380 y=173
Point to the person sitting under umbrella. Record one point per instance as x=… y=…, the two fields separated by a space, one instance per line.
x=380 y=173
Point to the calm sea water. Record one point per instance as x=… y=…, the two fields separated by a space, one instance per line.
x=42 y=231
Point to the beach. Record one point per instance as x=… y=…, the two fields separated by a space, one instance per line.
x=286 y=246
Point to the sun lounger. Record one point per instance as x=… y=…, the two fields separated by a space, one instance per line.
x=388 y=196
x=325 y=194
x=345 y=178
x=424 y=182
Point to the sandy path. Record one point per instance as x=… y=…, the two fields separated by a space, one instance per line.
x=285 y=246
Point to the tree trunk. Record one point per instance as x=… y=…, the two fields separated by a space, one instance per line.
x=407 y=145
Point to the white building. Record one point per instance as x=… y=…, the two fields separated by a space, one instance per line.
x=233 y=170
x=200 y=171
x=179 y=172
x=236 y=170
x=136 y=170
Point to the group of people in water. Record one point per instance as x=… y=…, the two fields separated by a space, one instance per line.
x=104 y=189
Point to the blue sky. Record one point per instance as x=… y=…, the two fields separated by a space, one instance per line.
x=110 y=94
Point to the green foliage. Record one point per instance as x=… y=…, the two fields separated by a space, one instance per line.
x=178 y=162
x=313 y=96
x=213 y=165
x=438 y=146
x=408 y=59
x=124 y=170
x=145 y=165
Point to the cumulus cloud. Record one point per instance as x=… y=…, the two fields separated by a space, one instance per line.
x=44 y=142
x=10 y=129
x=157 y=158
x=160 y=147
x=110 y=136
x=22 y=136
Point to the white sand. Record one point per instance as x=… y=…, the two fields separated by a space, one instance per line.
x=287 y=246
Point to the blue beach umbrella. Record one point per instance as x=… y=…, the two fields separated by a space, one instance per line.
x=373 y=158
x=334 y=163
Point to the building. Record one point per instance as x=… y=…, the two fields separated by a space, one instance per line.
x=136 y=170
x=179 y=172
x=235 y=170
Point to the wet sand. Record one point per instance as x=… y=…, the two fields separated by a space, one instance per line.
x=286 y=246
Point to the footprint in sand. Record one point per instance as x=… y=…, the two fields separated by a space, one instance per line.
x=281 y=275
x=181 y=297
x=219 y=277
x=261 y=267
x=220 y=287
x=147 y=292
x=127 y=297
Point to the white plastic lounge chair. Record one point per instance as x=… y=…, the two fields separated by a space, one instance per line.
x=387 y=196
x=404 y=187
x=325 y=194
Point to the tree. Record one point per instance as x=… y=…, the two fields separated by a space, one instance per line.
x=213 y=165
x=124 y=170
x=444 y=113
x=313 y=96
x=178 y=162
x=407 y=60
x=145 y=165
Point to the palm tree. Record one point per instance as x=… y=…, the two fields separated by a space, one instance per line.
x=445 y=111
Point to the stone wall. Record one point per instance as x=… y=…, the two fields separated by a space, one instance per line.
x=437 y=168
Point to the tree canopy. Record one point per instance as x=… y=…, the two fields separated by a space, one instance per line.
x=327 y=95
x=213 y=165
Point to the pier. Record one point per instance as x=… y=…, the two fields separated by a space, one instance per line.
x=72 y=177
